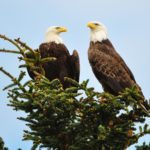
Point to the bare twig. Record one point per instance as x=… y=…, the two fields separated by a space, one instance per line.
x=10 y=51
x=24 y=45
x=12 y=42
x=7 y=73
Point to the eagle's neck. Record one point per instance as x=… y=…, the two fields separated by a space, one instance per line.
x=98 y=36
x=53 y=37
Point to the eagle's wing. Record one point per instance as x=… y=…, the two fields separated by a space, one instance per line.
x=110 y=48
x=125 y=67
x=111 y=72
x=75 y=63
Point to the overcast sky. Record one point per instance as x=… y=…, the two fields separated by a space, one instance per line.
x=128 y=28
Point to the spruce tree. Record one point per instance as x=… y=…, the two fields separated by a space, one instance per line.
x=63 y=119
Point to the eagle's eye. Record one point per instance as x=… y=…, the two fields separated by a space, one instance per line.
x=96 y=24
x=57 y=27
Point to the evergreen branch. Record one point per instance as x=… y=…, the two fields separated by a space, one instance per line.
x=23 y=66
x=48 y=59
x=2 y=145
x=144 y=146
x=28 y=60
x=16 y=82
x=75 y=83
x=66 y=119
x=142 y=134
x=9 y=86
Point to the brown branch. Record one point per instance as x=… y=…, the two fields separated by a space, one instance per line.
x=12 y=42
x=9 y=51
x=24 y=45
x=7 y=73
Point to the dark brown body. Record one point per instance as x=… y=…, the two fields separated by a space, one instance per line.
x=66 y=65
x=109 y=68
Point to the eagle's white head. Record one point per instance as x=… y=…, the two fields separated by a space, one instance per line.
x=53 y=34
x=98 y=31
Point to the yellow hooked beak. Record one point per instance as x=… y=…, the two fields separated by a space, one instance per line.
x=62 y=29
x=91 y=25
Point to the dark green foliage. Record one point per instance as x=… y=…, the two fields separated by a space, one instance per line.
x=2 y=145
x=143 y=147
x=65 y=120
x=62 y=119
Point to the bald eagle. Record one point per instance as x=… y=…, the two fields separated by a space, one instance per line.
x=107 y=65
x=66 y=65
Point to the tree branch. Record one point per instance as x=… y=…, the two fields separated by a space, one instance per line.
x=7 y=73
x=9 y=51
x=12 y=42
x=24 y=45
